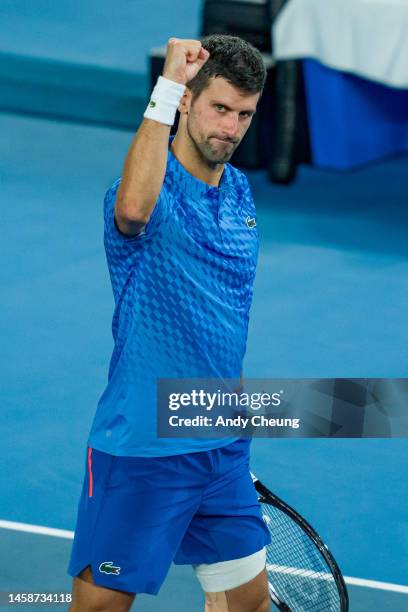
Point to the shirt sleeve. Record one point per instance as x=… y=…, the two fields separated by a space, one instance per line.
x=113 y=235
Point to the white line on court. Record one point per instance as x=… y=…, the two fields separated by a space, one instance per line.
x=27 y=528
x=375 y=584
x=68 y=535
x=296 y=571
x=372 y=584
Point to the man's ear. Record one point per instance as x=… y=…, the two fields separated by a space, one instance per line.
x=185 y=102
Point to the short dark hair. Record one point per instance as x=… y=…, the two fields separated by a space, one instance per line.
x=234 y=59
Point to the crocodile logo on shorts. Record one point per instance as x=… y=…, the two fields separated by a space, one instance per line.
x=251 y=222
x=107 y=567
x=152 y=104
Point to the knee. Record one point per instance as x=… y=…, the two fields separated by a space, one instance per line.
x=93 y=604
x=265 y=605
x=88 y=597
x=90 y=607
x=216 y=602
x=98 y=604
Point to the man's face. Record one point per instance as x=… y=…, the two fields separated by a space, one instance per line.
x=218 y=119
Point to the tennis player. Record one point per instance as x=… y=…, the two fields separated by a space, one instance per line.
x=181 y=245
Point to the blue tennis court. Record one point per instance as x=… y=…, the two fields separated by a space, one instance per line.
x=330 y=300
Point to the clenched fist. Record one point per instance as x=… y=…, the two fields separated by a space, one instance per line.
x=184 y=58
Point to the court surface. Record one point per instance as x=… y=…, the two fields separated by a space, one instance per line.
x=330 y=299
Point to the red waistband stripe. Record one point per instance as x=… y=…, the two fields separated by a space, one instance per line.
x=90 y=472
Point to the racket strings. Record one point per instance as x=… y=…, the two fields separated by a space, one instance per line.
x=298 y=573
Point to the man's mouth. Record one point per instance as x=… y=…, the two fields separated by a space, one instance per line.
x=223 y=140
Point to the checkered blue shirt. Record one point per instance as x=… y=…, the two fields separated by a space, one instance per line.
x=182 y=290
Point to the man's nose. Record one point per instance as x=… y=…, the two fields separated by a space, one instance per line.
x=230 y=125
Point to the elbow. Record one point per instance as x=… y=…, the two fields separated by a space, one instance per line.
x=130 y=212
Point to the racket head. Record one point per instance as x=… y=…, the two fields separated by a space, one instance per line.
x=302 y=573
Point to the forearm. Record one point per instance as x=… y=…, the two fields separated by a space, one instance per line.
x=143 y=172
x=145 y=164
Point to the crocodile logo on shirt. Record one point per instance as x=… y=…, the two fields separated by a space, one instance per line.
x=251 y=222
x=152 y=104
x=107 y=567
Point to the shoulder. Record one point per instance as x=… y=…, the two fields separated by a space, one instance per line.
x=238 y=181
x=110 y=199
x=111 y=192
x=236 y=176
x=243 y=195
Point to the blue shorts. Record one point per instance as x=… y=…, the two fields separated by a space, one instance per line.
x=137 y=515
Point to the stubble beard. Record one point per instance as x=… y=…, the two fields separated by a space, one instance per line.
x=208 y=150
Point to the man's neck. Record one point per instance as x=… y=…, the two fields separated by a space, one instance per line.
x=186 y=153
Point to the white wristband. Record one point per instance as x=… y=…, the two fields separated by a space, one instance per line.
x=164 y=101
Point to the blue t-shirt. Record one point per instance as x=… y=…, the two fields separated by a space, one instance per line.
x=182 y=290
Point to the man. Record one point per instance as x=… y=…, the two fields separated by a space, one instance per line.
x=181 y=246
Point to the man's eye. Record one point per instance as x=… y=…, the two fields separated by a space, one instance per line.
x=219 y=107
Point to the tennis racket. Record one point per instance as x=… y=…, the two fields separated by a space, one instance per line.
x=303 y=575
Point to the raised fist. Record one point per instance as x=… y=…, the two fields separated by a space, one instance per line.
x=184 y=58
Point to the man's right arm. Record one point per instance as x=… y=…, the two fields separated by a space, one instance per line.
x=142 y=176
x=145 y=164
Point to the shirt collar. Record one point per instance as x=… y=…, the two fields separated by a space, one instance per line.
x=194 y=187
